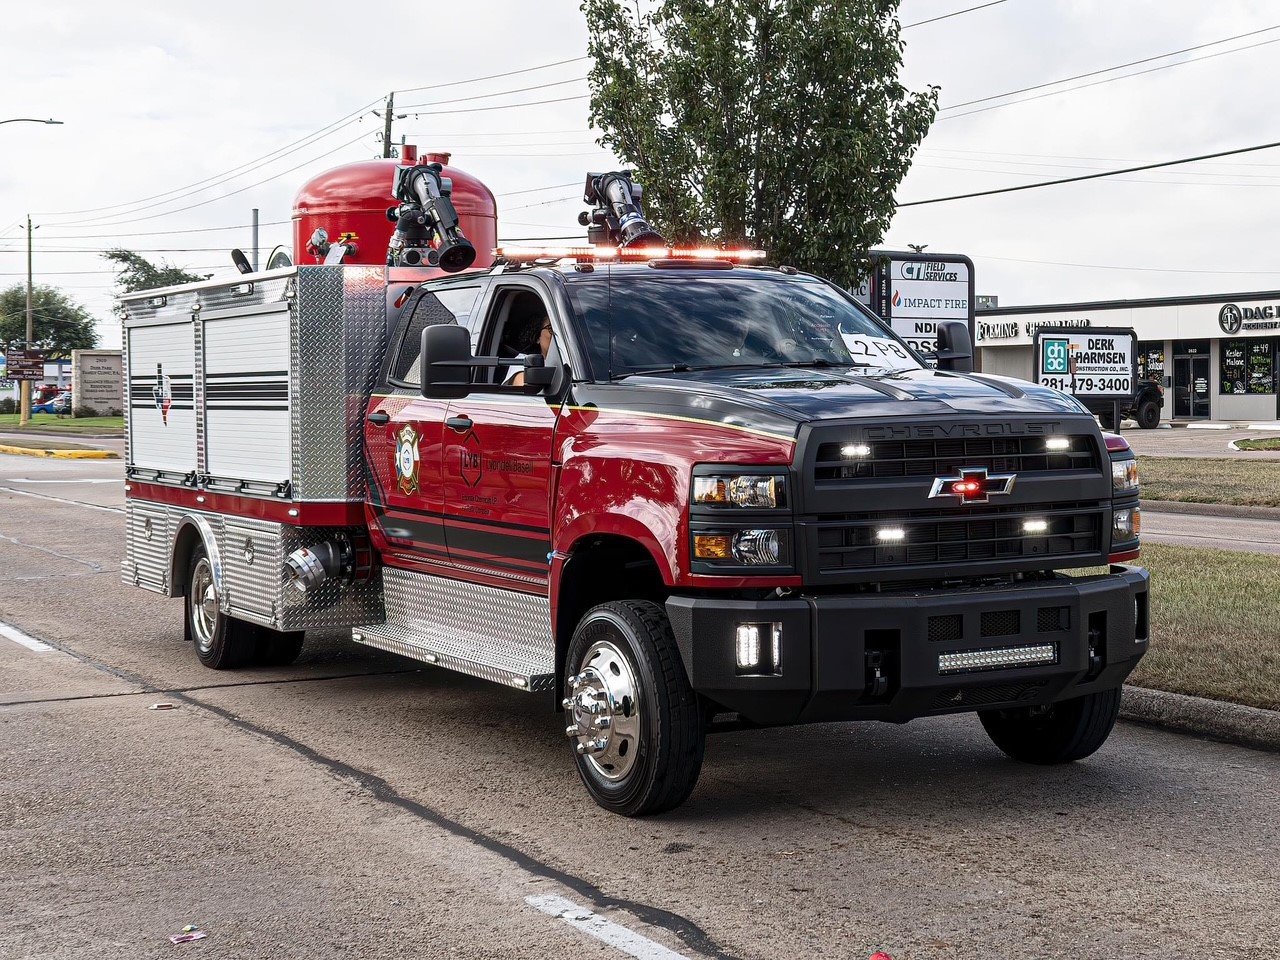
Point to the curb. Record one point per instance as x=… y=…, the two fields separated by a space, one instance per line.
x=60 y=454
x=1229 y=722
x=1212 y=509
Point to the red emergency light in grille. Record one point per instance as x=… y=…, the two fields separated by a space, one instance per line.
x=973 y=485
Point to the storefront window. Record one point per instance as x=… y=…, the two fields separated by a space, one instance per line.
x=1262 y=366
x=1234 y=371
x=1151 y=361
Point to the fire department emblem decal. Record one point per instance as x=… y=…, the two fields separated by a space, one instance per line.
x=407 y=459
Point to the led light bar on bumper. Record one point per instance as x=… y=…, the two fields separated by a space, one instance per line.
x=996 y=658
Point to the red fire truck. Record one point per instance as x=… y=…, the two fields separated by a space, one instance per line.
x=665 y=489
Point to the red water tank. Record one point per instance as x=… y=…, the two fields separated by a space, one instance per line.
x=352 y=200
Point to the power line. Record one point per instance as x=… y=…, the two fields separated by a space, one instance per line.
x=1097 y=83
x=494 y=76
x=992 y=154
x=504 y=106
x=1093 y=176
x=1094 y=73
x=1113 y=266
x=948 y=16
x=546 y=203
x=554 y=186
x=163 y=233
x=1187 y=183
x=499 y=93
x=259 y=161
x=232 y=193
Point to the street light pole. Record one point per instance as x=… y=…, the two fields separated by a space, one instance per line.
x=25 y=416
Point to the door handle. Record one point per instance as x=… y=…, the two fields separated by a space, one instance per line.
x=378 y=417
x=461 y=424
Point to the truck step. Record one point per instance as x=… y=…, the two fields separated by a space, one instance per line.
x=499 y=635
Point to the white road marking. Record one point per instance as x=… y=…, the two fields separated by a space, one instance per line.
x=615 y=935
x=77 y=503
x=17 y=636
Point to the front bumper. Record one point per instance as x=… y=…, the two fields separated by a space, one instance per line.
x=875 y=656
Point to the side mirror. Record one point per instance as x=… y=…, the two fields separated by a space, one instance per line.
x=537 y=375
x=445 y=362
x=955 y=349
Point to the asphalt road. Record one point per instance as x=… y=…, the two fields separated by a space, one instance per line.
x=356 y=804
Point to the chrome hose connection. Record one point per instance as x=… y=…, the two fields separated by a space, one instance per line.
x=308 y=567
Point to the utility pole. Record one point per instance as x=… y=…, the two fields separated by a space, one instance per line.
x=255 y=240
x=386 y=125
x=25 y=416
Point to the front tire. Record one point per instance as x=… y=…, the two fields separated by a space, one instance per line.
x=635 y=723
x=221 y=642
x=1060 y=733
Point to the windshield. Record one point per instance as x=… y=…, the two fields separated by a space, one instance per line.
x=651 y=323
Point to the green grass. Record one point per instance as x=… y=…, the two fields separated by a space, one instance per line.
x=1263 y=443
x=52 y=423
x=1215 y=625
x=1207 y=480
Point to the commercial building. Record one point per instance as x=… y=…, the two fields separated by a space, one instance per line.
x=1214 y=354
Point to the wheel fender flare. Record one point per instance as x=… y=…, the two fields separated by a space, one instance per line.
x=204 y=529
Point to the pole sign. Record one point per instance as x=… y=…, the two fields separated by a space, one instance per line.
x=913 y=291
x=1100 y=363
x=25 y=365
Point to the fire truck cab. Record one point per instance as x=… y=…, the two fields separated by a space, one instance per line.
x=664 y=489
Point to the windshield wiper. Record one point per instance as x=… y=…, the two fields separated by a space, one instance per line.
x=693 y=368
x=823 y=362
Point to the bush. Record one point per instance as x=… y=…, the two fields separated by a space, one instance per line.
x=83 y=411
x=8 y=405
x=115 y=412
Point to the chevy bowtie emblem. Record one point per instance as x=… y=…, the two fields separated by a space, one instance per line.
x=973 y=485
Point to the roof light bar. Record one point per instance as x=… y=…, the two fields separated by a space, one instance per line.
x=597 y=253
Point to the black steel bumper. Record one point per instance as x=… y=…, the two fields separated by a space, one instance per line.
x=881 y=656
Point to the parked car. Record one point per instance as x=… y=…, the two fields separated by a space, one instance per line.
x=60 y=404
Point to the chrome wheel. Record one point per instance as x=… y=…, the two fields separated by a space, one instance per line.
x=204 y=605
x=604 y=707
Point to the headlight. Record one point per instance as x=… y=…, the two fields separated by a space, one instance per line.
x=1126 y=525
x=1124 y=475
x=747 y=548
x=762 y=492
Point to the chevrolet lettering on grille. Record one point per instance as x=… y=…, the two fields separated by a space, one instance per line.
x=973 y=485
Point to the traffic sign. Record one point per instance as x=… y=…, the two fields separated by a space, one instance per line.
x=25 y=365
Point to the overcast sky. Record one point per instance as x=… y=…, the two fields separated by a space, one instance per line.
x=155 y=98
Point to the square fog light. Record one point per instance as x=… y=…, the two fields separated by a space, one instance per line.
x=759 y=649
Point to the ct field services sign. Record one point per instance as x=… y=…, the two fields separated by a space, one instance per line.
x=913 y=291
x=1098 y=362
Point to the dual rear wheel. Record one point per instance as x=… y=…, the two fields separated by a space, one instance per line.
x=223 y=642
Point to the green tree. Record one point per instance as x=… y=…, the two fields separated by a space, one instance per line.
x=60 y=324
x=777 y=123
x=136 y=272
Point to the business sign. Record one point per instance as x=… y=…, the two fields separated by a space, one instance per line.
x=25 y=365
x=1099 y=362
x=1233 y=318
x=913 y=291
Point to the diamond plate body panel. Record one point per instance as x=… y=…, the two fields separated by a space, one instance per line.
x=338 y=339
x=497 y=635
x=254 y=582
x=147 y=546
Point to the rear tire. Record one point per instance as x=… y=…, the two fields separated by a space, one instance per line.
x=278 y=648
x=623 y=667
x=1060 y=733
x=1149 y=415
x=221 y=642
